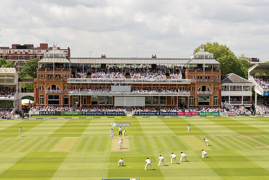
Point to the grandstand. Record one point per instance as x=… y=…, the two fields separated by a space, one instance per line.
x=152 y=84
x=8 y=92
x=258 y=75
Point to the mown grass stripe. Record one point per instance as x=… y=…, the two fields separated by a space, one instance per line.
x=77 y=145
x=11 y=144
x=86 y=143
x=137 y=144
x=148 y=144
x=48 y=144
x=164 y=144
x=172 y=146
x=35 y=145
x=229 y=141
x=104 y=143
x=92 y=144
x=180 y=143
x=41 y=144
x=24 y=145
x=243 y=144
x=160 y=146
x=220 y=143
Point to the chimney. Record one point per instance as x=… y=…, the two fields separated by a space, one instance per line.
x=103 y=55
x=154 y=56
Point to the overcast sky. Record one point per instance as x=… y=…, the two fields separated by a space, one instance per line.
x=121 y=28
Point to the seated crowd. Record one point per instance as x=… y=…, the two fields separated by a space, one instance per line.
x=263 y=81
x=7 y=91
x=5 y=113
x=102 y=109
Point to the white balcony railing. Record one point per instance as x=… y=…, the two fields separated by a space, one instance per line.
x=53 y=91
x=154 y=81
x=204 y=92
x=129 y=93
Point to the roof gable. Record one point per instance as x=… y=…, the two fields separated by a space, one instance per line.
x=233 y=78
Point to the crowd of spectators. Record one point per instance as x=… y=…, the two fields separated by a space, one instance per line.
x=56 y=67
x=52 y=108
x=7 y=91
x=102 y=109
x=263 y=81
x=5 y=113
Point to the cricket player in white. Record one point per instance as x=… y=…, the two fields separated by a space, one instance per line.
x=121 y=162
x=161 y=159
x=148 y=162
x=120 y=143
x=111 y=133
x=123 y=134
x=183 y=156
x=206 y=141
x=189 y=128
x=204 y=154
x=20 y=132
x=173 y=156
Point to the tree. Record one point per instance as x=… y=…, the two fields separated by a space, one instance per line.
x=29 y=69
x=6 y=64
x=229 y=63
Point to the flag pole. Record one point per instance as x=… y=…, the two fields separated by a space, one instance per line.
x=53 y=60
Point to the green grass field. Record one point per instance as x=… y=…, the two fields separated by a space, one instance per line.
x=65 y=149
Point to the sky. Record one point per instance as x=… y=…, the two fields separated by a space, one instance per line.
x=138 y=28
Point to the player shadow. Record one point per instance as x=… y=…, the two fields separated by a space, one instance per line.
x=165 y=165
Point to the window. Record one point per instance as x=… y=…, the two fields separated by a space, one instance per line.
x=41 y=76
x=65 y=99
x=18 y=58
x=39 y=88
x=191 y=101
x=23 y=63
x=53 y=99
x=38 y=57
x=31 y=57
x=246 y=88
x=109 y=100
x=64 y=88
x=84 y=102
x=101 y=100
x=18 y=69
x=163 y=100
x=155 y=100
x=18 y=64
x=10 y=57
x=198 y=77
x=75 y=88
x=208 y=77
x=23 y=57
x=4 y=57
x=94 y=100
x=189 y=88
x=192 y=88
x=217 y=89
x=225 y=88
x=39 y=51
x=172 y=100
x=42 y=88
x=67 y=88
x=65 y=76
x=205 y=77
x=41 y=99
x=148 y=100
x=215 y=103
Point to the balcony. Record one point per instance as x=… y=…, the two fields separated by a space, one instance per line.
x=50 y=79
x=86 y=93
x=129 y=81
x=240 y=102
x=204 y=92
x=53 y=91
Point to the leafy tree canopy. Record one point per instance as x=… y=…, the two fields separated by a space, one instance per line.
x=6 y=64
x=229 y=63
x=29 y=69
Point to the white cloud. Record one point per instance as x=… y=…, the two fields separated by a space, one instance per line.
x=168 y=28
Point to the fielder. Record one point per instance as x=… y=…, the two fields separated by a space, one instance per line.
x=173 y=156
x=20 y=132
x=121 y=162
x=206 y=141
x=123 y=134
x=183 y=156
x=120 y=143
x=204 y=154
x=148 y=162
x=161 y=159
x=111 y=133
x=189 y=129
x=120 y=131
